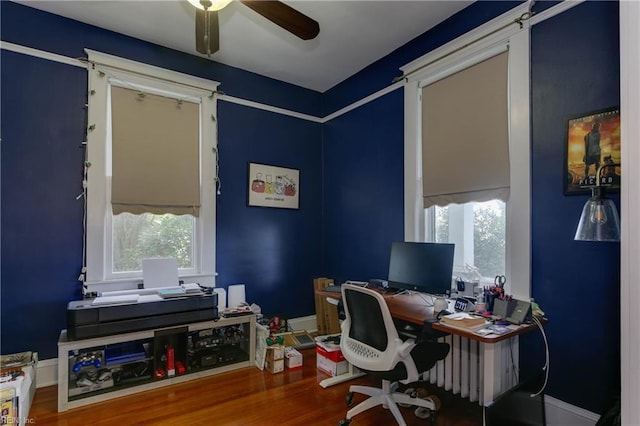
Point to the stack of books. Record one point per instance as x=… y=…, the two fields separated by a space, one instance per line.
x=464 y=321
x=183 y=290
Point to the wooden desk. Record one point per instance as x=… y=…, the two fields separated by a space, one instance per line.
x=413 y=307
x=478 y=367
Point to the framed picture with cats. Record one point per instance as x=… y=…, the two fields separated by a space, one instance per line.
x=273 y=186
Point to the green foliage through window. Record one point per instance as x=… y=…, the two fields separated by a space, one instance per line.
x=136 y=237
x=489 y=237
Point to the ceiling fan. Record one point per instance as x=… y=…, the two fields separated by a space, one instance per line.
x=281 y=14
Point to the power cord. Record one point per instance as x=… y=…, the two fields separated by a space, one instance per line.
x=515 y=371
x=546 y=363
x=428 y=298
x=424 y=296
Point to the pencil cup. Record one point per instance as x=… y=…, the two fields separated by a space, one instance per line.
x=489 y=298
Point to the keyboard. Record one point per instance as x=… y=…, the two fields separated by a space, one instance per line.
x=333 y=289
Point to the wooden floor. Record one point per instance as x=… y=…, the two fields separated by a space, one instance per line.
x=245 y=397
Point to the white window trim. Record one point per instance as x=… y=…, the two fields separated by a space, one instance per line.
x=471 y=48
x=630 y=211
x=113 y=70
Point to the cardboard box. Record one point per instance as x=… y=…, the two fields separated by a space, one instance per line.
x=274 y=360
x=329 y=358
x=275 y=352
x=274 y=365
x=292 y=358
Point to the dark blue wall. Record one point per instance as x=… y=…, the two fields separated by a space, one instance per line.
x=42 y=159
x=363 y=195
x=275 y=252
x=575 y=69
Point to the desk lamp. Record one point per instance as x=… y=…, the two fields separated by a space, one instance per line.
x=599 y=220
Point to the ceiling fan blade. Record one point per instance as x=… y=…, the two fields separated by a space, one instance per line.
x=286 y=17
x=207 y=32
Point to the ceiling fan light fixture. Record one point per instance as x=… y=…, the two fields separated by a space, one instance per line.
x=215 y=4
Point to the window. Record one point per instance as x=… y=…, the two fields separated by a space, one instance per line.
x=478 y=231
x=138 y=236
x=151 y=172
x=463 y=219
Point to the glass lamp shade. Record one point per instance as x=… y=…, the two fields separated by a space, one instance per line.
x=213 y=5
x=599 y=220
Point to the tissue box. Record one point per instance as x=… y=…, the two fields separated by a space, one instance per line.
x=292 y=358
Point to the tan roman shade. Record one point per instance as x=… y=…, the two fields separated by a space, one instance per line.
x=465 y=135
x=155 y=154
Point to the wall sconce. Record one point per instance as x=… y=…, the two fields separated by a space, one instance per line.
x=599 y=220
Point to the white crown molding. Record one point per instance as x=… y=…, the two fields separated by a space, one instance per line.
x=29 y=51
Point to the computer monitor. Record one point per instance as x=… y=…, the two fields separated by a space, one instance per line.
x=423 y=267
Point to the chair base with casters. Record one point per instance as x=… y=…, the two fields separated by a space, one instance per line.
x=389 y=397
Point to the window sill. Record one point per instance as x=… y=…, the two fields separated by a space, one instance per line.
x=206 y=280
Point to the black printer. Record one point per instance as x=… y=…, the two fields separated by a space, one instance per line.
x=86 y=319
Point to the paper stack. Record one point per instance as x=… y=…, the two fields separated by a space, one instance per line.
x=463 y=320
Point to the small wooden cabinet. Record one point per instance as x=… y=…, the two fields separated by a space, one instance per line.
x=97 y=369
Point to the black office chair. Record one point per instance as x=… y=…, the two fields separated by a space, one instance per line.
x=371 y=343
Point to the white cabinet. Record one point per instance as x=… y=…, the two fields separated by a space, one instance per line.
x=97 y=369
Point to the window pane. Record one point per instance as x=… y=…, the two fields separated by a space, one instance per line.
x=489 y=226
x=442 y=224
x=136 y=237
x=478 y=231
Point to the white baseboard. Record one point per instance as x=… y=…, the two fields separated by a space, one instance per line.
x=307 y=323
x=47 y=372
x=559 y=413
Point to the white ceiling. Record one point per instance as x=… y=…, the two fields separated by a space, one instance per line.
x=353 y=33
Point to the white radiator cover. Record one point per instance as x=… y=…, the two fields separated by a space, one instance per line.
x=464 y=369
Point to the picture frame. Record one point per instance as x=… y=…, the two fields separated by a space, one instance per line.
x=273 y=186
x=593 y=140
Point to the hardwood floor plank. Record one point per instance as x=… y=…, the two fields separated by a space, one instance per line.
x=247 y=397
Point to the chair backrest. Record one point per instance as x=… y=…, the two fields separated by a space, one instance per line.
x=369 y=338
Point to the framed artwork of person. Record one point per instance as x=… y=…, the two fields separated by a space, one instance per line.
x=593 y=143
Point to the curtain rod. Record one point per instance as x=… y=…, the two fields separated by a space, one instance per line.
x=524 y=17
x=86 y=61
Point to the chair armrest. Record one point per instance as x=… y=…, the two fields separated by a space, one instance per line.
x=405 y=348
